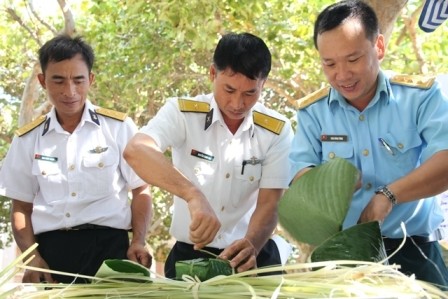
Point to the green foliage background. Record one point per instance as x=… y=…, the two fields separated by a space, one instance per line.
x=149 y=50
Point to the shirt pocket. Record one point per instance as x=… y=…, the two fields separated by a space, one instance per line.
x=246 y=182
x=98 y=173
x=50 y=180
x=331 y=150
x=406 y=148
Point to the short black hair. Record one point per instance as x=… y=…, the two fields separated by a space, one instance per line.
x=243 y=53
x=63 y=47
x=332 y=16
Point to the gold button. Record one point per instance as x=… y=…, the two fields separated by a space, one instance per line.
x=43 y=172
x=227 y=175
x=331 y=155
x=400 y=145
x=362 y=117
x=67 y=215
x=251 y=178
x=365 y=152
x=101 y=165
x=73 y=194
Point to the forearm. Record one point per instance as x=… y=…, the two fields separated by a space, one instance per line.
x=141 y=208
x=427 y=180
x=264 y=219
x=22 y=227
x=144 y=156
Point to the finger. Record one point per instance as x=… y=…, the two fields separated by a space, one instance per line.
x=249 y=263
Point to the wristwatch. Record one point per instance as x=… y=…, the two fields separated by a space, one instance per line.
x=386 y=192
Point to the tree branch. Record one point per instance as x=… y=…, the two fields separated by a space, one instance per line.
x=16 y=18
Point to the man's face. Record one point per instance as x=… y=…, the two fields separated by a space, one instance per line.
x=351 y=62
x=67 y=83
x=235 y=94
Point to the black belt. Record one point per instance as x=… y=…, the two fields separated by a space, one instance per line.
x=392 y=243
x=86 y=226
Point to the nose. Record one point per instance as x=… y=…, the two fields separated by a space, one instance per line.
x=69 y=89
x=343 y=72
x=237 y=101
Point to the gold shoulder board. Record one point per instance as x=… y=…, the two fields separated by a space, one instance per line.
x=270 y=123
x=312 y=98
x=418 y=81
x=193 y=106
x=31 y=126
x=111 y=113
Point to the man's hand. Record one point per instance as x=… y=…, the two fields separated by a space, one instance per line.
x=204 y=223
x=241 y=254
x=377 y=209
x=138 y=253
x=32 y=276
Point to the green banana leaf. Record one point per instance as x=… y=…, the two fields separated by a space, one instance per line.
x=115 y=268
x=203 y=268
x=362 y=242
x=314 y=207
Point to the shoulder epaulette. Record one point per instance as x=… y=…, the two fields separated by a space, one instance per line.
x=111 y=113
x=418 y=81
x=312 y=98
x=193 y=106
x=267 y=122
x=31 y=126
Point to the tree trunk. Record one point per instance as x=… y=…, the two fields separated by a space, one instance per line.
x=387 y=13
x=31 y=92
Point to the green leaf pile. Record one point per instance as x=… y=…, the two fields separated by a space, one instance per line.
x=313 y=210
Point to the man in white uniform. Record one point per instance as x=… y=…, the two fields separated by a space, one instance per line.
x=67 y=178
x=229 y=161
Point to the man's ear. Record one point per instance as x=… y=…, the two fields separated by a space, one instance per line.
x=91 y=78
x=41 y=78
x=380 y=47
x=212 y=72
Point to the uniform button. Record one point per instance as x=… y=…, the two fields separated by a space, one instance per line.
x=368 y=186
x=101 y=165
x=362 y=117
x=400 y=145
x=72 y=167
x=43 y=172
x=219 y=237
x=251 y=178
x=227 y=175
x=331 y=155
x=365 y=152
x=67 y=215
x=222 y=208
x=196 y=170
x=73 y=194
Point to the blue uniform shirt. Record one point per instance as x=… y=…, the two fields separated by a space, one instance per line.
x=412 y=121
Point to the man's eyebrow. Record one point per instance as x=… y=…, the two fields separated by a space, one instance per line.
x=59 y=77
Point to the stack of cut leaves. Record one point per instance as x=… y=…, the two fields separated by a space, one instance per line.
x=124 y=279
x=313 y=210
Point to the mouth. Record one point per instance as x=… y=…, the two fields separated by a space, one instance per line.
x=348 y=87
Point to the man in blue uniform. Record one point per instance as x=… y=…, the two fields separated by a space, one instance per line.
x=392 y=128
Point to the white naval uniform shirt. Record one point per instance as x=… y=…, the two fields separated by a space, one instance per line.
x=66 y=179
x=212 y=157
